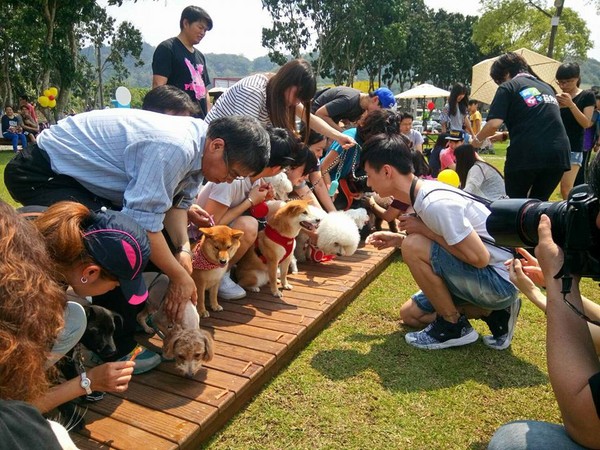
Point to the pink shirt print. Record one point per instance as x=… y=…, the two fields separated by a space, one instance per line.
x=197 y=84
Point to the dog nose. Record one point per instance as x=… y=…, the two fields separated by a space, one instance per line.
x=318 y=220
x=223 y=261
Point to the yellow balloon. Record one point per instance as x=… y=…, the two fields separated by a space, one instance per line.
x=47 y=93
x=53 y=91
x=450 y=177
x=43 y=101
x=51 y=103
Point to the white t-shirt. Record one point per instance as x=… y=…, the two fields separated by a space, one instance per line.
x=447 y=212
x=415 y=137
x=228 y=194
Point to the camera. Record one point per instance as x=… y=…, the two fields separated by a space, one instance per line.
x=514 y=223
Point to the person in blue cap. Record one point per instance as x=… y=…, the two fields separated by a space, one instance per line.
x=343 y=103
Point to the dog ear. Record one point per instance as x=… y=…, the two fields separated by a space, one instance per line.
x=119 y=321
x=208 y=346
x=207 y=231
x=169 y=345
x=236 y=234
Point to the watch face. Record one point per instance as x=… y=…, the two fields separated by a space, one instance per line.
x=85 y=383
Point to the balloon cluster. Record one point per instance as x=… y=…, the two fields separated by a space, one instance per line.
x=48 y=100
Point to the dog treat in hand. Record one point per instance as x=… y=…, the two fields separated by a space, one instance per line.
x=136 y=351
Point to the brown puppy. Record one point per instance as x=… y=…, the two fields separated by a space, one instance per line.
x=274 y=247
x=211 y=257
x=185 y=342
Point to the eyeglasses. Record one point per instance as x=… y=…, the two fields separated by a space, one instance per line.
x=231 y=173
x=569 y=80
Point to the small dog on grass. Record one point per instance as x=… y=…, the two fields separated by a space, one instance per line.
x=274 y=247
x=185 y=341
x=211 y=257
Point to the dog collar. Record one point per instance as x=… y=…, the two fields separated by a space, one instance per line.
x=317 y=255
x=201 y=262
x=281 y=240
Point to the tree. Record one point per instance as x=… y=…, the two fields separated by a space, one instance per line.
x=511 y=24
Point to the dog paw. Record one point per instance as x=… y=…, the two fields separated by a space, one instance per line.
x=287 y=286
x=295 y=271
x=253 y=289
x=277 y=294
x=204 y=314
x=217 y=308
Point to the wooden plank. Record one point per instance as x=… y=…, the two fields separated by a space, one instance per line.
x=248 y=330
x=153 y=421
x=254 y=338
x=119 y=435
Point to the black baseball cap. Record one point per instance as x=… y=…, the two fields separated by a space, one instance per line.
x=118 y=244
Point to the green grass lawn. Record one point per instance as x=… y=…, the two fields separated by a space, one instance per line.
x=358 y=385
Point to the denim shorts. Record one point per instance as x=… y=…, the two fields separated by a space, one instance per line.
x=576 y=158
x=468 y=284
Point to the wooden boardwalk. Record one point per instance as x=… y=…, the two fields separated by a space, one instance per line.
x=254 y=339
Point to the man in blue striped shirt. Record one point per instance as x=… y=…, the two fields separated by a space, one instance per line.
x=146 y=164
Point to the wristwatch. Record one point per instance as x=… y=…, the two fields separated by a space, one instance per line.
x=85 y=383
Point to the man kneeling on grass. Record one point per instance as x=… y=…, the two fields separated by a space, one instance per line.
x=448 y=251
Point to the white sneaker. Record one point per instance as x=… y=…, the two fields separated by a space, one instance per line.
x=229 y=290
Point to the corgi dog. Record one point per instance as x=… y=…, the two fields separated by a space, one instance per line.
x=275 y=247
x=211 y=257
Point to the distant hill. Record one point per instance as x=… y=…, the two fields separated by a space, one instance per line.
x=228 y=65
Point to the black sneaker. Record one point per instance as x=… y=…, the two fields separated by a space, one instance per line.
x=502 y=325
x=443 y=334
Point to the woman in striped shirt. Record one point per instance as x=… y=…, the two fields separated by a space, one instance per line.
x=277 y=99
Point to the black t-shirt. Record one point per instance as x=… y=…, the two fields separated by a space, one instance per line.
x=574 y=130
x=183 y=69
x=22 y=427
x=594 y=382
x=538 y=139
x=341 y=103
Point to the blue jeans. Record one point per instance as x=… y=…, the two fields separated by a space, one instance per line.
x=532 y=435
x=468 y=284
x=14 y=138
x=75 y=324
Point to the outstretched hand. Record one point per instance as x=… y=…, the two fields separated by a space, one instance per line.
x=550 y=256
x=385 y=239
x=112 y=376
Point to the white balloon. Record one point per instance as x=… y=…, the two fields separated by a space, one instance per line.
x=123 y=96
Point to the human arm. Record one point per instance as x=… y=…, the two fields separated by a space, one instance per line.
x=320 y=126
x=583 y=118
x=257 y=194
x=569 y=348
x=320 y=191
x=388 y=214
x=385 y=239
x=470 y=249
x=324 y=114
x=467 y=125
x=108 y=377
x=488 y=130
x=31 y=126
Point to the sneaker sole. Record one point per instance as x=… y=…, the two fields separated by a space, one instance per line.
x=464 y=340
x=489 y=341
x=232 y=297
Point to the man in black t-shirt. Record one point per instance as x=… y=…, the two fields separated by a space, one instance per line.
x=178 y=63
x=345 y=103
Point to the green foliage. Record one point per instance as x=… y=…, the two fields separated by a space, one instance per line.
x=511 y=24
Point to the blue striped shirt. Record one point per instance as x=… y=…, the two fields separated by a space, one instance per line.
x=139 y=160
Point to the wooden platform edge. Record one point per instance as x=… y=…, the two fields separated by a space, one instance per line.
x=318 y=325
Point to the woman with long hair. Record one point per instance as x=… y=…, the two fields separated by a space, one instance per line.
x=477 y=176
x=537 y=155
x=31 y=308
x=277 y=99
x=93 y=253
x=31 y=318
x=576 y=110
x=455 y=115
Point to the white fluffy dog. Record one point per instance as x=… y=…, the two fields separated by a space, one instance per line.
x=281 y=185
x=337 y=235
